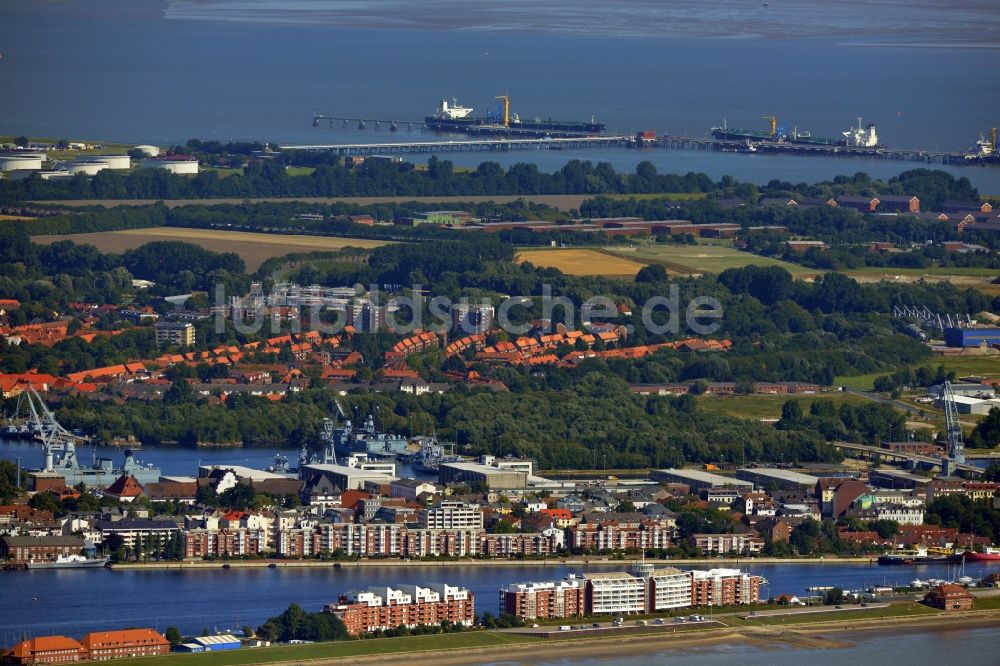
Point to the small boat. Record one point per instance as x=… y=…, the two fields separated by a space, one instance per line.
x=916 y=582
x=965 y=580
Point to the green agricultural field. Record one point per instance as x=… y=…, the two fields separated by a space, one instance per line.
x=986 y=366
x=759 y=406
x=702 y=258
x=290 y=653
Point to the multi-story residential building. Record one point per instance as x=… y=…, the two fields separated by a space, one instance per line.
x=225 y=543
x=530 y=601
x=471 y=318
x=132 y=530
x=727 y=543
x=365 y=316
x=507 y=545
x=615 y=592
x=450 y=515
x=976 y=490
x=724 y=587
x=612 y=534
x=668 y=588
x=174 y=333
x=127 y=643
x=904 y=515
x=406 y=606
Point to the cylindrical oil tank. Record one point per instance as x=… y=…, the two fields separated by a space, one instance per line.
x=172 y=163
x=90 y=167
x=18 y=162
x=114 y=161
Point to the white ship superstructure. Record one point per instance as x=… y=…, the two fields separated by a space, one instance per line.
x=861 y=137
x=453 y=111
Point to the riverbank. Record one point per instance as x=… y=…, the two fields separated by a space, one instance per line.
x=552 y=561
x=465 y=649
x=828 y=636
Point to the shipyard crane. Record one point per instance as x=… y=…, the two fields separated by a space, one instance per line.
x=53 y=436
x=953 y=430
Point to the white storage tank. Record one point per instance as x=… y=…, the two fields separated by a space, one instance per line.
x=151 y=151
x=114 y=161
x=180 y=164
x=90 y=167
x=19 y=161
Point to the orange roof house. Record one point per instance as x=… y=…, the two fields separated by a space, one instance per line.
x=126 y=488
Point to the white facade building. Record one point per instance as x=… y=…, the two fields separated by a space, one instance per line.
x=617 y=592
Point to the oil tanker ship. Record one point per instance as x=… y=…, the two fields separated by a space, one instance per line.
x=855 y=137
x=456 y=118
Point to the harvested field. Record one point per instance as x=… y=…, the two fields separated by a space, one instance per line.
x=254 y=248
x=577 y=261
x=703 y=258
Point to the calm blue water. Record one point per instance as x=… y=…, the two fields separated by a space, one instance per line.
x=113 y=69
x=226 y=598
x=171 y=460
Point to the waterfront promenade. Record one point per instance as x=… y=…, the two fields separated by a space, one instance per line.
x=551 y=561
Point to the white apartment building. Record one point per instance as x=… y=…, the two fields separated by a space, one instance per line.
x=451 y=515
x=617 y=592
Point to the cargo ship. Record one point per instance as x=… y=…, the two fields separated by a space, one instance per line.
x=919 y=556
x=989 y=555
x=457 y=118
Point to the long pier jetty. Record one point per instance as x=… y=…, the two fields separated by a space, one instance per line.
x=473 y=145
x=667 y=141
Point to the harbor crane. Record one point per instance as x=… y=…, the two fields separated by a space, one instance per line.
x=54 y=437
x=506 y=109
x=953 y=430
x=774 y=124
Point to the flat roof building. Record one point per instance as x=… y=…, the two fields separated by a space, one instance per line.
x=784 y=479
x=895 y=478
x=346 y=478
x=488 y=475
x=698 y=480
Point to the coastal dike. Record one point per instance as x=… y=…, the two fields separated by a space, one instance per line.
x=579 y=561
